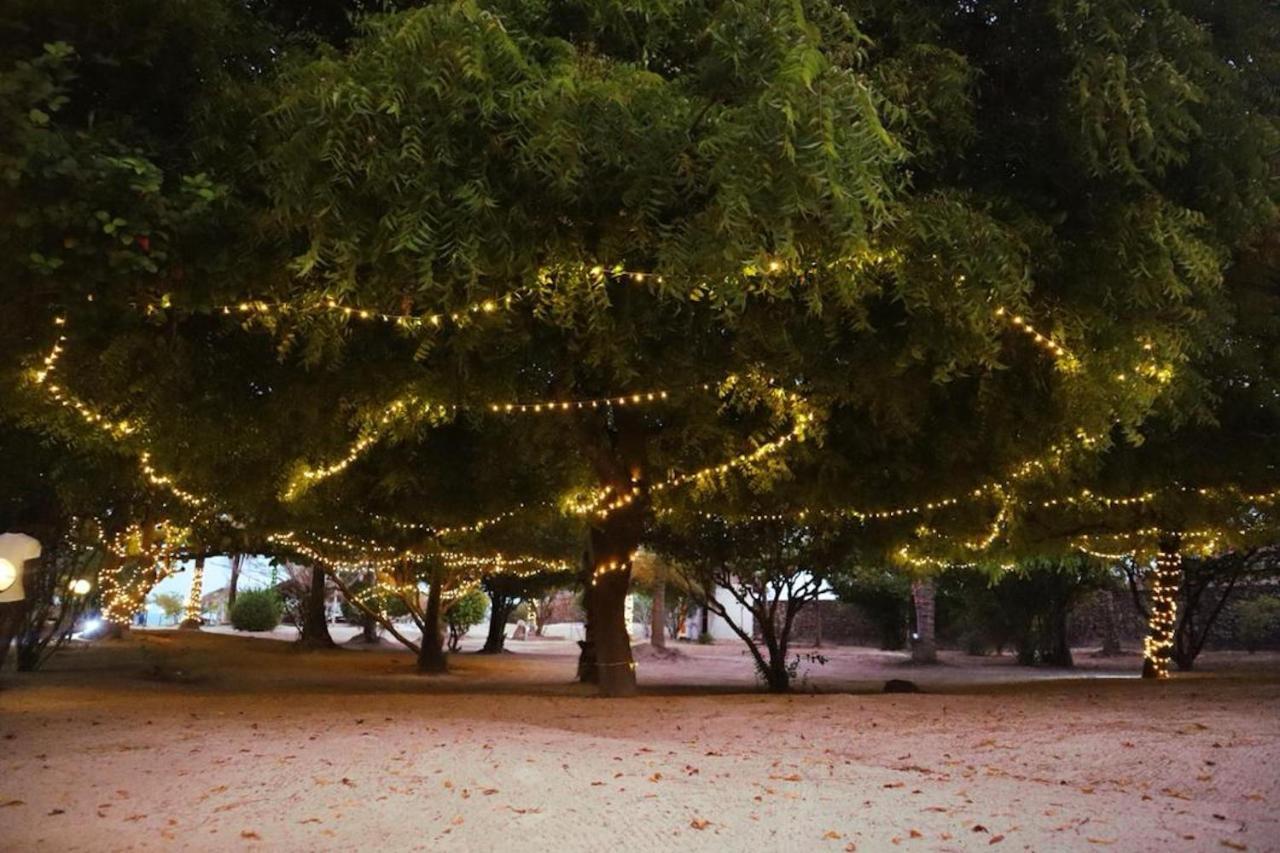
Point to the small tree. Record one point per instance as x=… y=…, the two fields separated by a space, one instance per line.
x=465 y=611
x=771 y=570
x=170 y=604
x=255 y=610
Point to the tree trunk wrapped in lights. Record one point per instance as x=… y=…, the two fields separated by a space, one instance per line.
x=191 y=615
x=1162 y=618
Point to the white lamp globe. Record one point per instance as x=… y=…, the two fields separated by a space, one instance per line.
x=8 y=574
x=80 y=586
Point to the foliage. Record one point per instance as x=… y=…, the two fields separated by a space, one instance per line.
x=256 y=610
x=1257 y=620
x=770 y=571
x=1027 y=607
x=170 y=603
x=813 y=221
x=464 y=612
x=52 y=607
x=883 y=593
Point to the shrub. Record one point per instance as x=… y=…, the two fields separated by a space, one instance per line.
x=256 y=610
x=1257 y=620
x=466 y=611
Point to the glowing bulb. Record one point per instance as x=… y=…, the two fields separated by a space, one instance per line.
x=81 y=586
x=8 y=574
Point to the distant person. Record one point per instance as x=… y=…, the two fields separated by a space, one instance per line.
x=18 y=552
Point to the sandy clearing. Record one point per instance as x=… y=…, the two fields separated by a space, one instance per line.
x=215 y=742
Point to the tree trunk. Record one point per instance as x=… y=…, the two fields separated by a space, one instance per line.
x=1058 y=649
x=315 y=627
x=658 y=616
x=12 y=616
x=612 y=543
x=431 y=657
x=191 y=615
x=817 y=609
x=777 y=678
x=925 y=648
x=1163 y=609
x=237 y=562
x=495 y=642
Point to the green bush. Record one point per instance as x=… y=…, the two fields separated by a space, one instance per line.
x=256 y=610
x=465 y=612
x=1256 y=620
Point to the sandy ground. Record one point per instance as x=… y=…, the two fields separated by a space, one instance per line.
x=209 y=741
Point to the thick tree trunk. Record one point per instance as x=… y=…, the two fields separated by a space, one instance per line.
x=495 y=642
x=237 y=562
x=924 y=649
x=612 y=543
x=368 y=629
x=704 y=627
x=658 y=616
x=1057 y=650
x=191 y=613
x=315 y=627
x=1157 y=648
x=431 y=657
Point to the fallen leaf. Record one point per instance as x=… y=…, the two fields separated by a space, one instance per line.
x=1234 y=845
x=915 y=833
x=699 y=823
x=13 y=803
x=250 y=834
x=996 y=839
x=832 y=835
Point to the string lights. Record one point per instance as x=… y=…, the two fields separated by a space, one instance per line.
x=461 y=317
x=1065 y=360
x=143 y=557
x=117 y=430
x=612 y=566
x=191 y=613
x=1157 y=646
x=400 y=409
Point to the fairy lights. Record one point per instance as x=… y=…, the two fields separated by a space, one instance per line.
x=578 y=405
x=117 y=430
x=400 y=409
x=1157 y=646
x=382 y=561
x=461 y=317
x=143 y=558
x=472 y=527
x=191 y=612
x=612 y=566
x=1065 y=360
